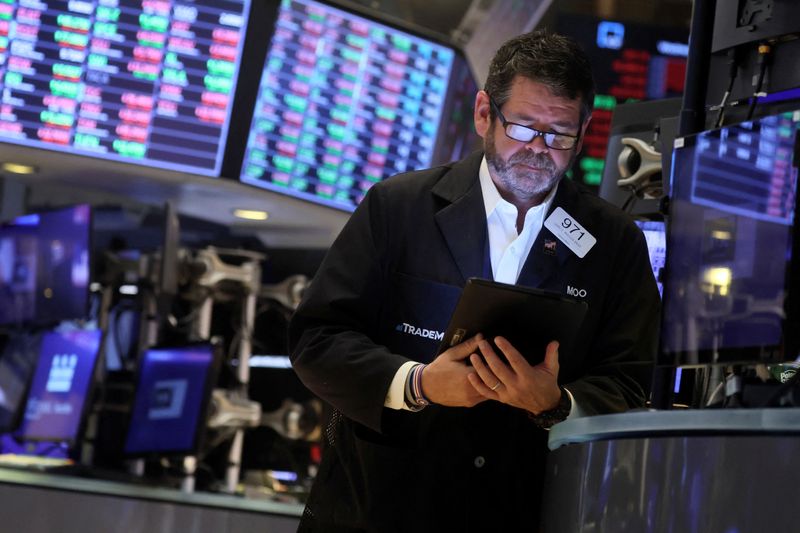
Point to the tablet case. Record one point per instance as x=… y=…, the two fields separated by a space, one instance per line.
x=529 y=318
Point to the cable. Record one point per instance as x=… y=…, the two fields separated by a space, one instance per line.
x=733 y=69
x=764 y=51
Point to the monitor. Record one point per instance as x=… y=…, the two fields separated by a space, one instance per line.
x=150 y=83
x=170 y=407
x=45 y=266
x=730 y=279
x=59 y=394
x=344 y=102
x=630 y=62
x=17 y=364
x=655 y=234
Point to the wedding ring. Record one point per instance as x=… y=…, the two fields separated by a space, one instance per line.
x=496 y=385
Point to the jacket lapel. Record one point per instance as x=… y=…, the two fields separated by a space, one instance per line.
x=463 y=221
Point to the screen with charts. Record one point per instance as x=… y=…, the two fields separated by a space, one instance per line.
x=343 y=103
x=172 y=395
x=729 y=267
x=61 y=386
x=655 y=234
x=45 y=266
x=630 y=62
x=148 y=82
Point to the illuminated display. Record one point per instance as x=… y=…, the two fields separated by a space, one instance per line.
x=730 y=280
x=630 y=62
x=149 y=82
x=343 y=103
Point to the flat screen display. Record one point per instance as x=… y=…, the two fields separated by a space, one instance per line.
x=60 y=386
x=343 y=103
x=171 y=401
x=730 y=242
x=655 y=234
x=141 y=82
x=45 y=266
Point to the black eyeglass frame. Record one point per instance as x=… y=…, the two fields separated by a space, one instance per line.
x=548 y=137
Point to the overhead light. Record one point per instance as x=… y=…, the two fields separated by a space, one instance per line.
x=250 y=214
x=18 y=168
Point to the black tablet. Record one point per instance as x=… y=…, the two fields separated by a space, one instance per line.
x=529 y=318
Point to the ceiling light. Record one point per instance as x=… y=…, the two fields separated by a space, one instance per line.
x=250 y=214
x=18 y=168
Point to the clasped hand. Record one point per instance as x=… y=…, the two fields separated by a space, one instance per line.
x=448 y=380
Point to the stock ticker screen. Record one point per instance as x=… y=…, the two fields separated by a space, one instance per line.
x=343 y=103
x=148 y=81
x=730 y=241
x=630 y=62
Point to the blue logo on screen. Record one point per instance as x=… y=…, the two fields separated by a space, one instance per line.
x=167 y=399
x=610 y=35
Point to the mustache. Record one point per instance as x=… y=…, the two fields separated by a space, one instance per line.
x=540 y=161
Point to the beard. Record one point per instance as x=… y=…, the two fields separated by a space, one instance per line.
x=525 y=174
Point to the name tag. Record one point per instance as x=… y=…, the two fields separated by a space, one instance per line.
x=568 y=231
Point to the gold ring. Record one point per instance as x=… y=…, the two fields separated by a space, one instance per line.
x=496 y=385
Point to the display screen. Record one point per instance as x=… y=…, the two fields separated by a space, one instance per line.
x=630 y=62
x=172 y=396
x=343 y=103
x=730 y=243
x=655 y=233
x=45 y=266
x=60 y=386
x=147 y=82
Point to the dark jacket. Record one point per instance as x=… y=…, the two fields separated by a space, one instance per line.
x=402 y=258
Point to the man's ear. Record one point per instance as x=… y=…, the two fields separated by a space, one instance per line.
x=583 y=133
x=481 y=114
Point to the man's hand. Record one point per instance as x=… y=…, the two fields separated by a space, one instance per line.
x=445 y=380
x=533 y=388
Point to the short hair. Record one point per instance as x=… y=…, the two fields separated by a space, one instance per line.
x=554 y=60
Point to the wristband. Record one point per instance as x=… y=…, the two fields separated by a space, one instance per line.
x=415 y=398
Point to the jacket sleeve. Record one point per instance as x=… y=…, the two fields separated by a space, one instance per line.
x=620 y=360
x=331 y=335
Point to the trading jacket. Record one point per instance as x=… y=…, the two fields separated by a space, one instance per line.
x=401 y=261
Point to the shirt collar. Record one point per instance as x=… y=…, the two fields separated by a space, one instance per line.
x=492 y=198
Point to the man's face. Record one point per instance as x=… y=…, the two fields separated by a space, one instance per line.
x=528 y=171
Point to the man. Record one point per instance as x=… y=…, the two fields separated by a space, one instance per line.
x=458 y=443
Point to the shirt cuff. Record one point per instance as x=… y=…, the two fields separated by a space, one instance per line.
x=396 y=396
x=575 y=411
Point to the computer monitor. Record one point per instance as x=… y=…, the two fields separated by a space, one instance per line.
x=170 y=407
x=731 y=280
x=344 y=102
x=45 y=266
x=655 y=234
x=17 y=364
x=61 y=388
x=150 y=83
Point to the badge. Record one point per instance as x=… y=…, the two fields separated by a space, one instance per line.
x=567 y=230
x=550 y=246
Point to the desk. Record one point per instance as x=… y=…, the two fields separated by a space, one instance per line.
x=44 y=503
x=709 y=471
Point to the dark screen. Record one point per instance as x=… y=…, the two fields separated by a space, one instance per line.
x=60 y=385
x=45 y=266
x=171 y=398
x=144 y=82
x=655 y=233
x=343 y=103
x=730 y=243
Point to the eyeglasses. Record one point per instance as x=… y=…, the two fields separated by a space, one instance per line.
x=525 y=134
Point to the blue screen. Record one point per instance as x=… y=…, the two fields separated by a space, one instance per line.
x=171 y=396
x=655 y=234
x=44 y=266
x=730 y=241
x=60 y=385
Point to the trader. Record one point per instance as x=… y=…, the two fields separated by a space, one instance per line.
x=458 y=442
